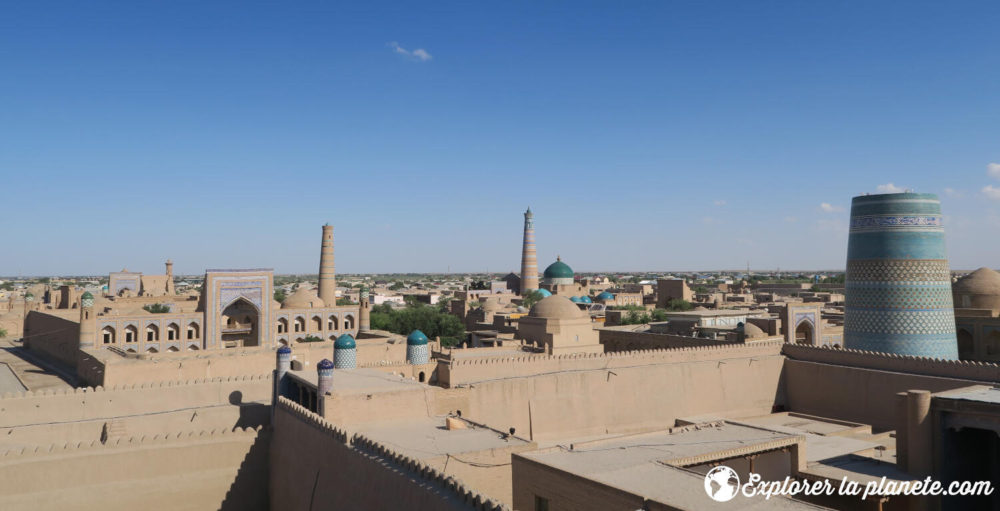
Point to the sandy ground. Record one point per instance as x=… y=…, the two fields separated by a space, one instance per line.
x=32 y=372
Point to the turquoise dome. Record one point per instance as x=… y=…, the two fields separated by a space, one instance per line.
x=605 y=296
x=86 y=296
x=586 y=299
x=574 y=299
x=558 y=270
x=416 y=338
x=544 y=293
x=344 y=342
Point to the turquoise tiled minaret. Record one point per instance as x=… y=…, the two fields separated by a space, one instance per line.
x=898 y=286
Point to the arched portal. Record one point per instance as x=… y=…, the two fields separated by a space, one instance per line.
x=966 y=345
x=240 y=324
x=804 y=333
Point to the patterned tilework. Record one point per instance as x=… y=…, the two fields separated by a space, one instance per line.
x=345 y=359
x=898 y=295
x=417 y=354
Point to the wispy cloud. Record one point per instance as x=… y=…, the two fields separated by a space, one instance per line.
x=719 y=202
x=953 y=193
x=419 y=54
x=889 y=188
x=993 y=169
x=991 y=192
x=830 y=208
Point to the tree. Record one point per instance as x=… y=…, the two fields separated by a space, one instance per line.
x=3 y=333
x=157 y=308
x=279 y=295
x=345 y=301
x=312 y=338
x=678 y=304
x=396 y=286
x=659 y=315
x=429 y=320
x=532 y=298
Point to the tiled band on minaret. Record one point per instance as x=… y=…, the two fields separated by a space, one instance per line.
x=898 y=285
x=529 y=260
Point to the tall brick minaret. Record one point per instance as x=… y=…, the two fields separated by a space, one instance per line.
x=529 y=261
x=327 y=275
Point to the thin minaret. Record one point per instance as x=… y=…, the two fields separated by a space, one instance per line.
x=529 y=261
x=327 y=275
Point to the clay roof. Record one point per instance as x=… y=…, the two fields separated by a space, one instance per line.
x=556 y=307
x=303 y=299
x=983 y=281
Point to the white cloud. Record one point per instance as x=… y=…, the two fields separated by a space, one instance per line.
x=719 y=202
x=991 y=193
x=953 y=193
x=889 y=188
x=993 y=169
x=418 y=54
x=830 y=208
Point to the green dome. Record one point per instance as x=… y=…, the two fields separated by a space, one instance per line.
x=86 y=296
x=416 y=338
x=558 y=270
x=344 y=342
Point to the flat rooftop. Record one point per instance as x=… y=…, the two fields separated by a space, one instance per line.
x=429 y=437
x=361 y=381
x=979 y=393
x=640 y=464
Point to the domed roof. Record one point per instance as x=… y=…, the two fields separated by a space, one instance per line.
x=303 y=299
x=558 y=270
x=751 y=330
x=86 y=296
x=556 y=307
x=979 y=289
x=586 y=299
x=416 y=338
x=284 y=350
x=574 y=299
x=491 y=305
x=605 y=296
x=544 y=292
x=324 y=364
x=344 y=342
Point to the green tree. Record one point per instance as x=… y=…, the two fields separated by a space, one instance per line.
x=345 y=301
x=312 y=338
x=430 y=320
x=3 y=333
x=157 y=308
x=659 y=315
x=396 y=286
x=279 y=295
x=678 y=304
x=532 y=298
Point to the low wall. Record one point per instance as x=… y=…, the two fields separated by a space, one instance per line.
x=474 y=370
x=315 y=465
x=217 y=470
x=624 y=340
x=87 y=414
x=114 y=369
x=52 y=336
x=985 y=372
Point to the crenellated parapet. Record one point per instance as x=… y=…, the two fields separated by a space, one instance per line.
x=136 y=386
x=928 y=366
x=467 y=495
x=313 y=419
x=130 y=442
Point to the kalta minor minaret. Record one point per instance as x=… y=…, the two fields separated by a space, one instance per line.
x=529 y=261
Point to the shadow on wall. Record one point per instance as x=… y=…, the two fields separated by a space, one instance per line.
x=249 y=490
x=46 y=365
x=252 y=414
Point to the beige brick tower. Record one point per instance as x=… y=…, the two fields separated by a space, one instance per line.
x=529 y=260
x=327 y=279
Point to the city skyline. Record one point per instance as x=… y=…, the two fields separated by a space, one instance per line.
x=677 y=137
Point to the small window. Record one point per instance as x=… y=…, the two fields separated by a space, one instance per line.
x=541 y=503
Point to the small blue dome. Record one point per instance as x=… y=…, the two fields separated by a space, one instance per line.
x=324 y=364
x=605 y=296
x=586 y=299
x=574 y=299
x=544 y=293
x=284 y=350
x=344 y=342
x=416 y=338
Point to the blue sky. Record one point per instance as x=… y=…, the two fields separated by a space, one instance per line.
x=644 y=135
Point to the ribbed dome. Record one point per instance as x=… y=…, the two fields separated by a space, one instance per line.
x=556 y=307
x=344 y=342
x=416 y=338
x=978 y=290
x=558 y=270
x=605 y=296
x=303 y=299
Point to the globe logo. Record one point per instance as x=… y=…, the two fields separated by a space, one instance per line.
x=722 y=483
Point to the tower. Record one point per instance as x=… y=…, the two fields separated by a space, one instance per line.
x=416 y=348
x=88 y=323
x=529 y=261
x=327 y=279
x=345 y=352
x=364 y=311
x=170 y=277
x=898 y=286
